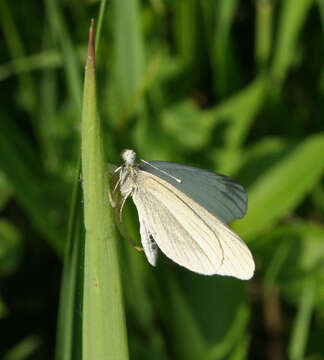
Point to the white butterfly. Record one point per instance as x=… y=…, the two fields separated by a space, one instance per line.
x=183 y=211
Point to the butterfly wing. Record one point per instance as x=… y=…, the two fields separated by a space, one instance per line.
x=219 y=194
x=188 y=233
x=149 y=245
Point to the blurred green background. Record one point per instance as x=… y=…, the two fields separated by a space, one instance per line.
x=227 y=85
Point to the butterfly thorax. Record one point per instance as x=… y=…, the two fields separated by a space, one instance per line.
x=128 y=180
x=128 y=173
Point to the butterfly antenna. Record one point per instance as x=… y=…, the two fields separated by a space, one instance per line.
x=180 y=181
x=118 y=169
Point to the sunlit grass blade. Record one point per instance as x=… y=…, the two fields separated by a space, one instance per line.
x=48 y=59
x=238 y=112
x=104 y=329
x=24 y=349
x=129 y=64
x=263 y=32
x=242 y=350
x=103 y=4
x=242 y=109
x=283 y=186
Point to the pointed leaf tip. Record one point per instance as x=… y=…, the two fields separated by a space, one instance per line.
x=91 y=45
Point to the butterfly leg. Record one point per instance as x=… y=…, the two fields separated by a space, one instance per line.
x=123 y=203
x=124 y=232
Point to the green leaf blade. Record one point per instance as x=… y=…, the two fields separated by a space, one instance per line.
x=282 y=187
x=104 y=329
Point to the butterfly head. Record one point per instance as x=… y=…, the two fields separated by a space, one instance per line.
x=129 y=157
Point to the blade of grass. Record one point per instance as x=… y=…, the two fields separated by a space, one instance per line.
x=3 y=309
x=276 y=265
x=24 y=349
x=242 y=108
x=301 y=326
x=69 y=327
x=283 y=186
x=44 y=60
x=259 y=157
x=182 y=324
x=69 y=330
x=16 y=49
x=19 y=163
x=11 y=248
x=104 y=329
x=222 y=55
x=72 y=65
x=186 y=33
x=320 y=4
x=5 y=190
x=238 y=112
x=103 y=4
x=292 y=17
x=47 y=112
x=129 y=60
x=242 y=349
x=144 y=85
x=222 y=349
x=263 y=32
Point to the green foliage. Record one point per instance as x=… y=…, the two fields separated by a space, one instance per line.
x=24 y=349
x=10 y=248
x=235 y=87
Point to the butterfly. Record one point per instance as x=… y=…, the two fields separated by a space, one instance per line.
x=183 y=211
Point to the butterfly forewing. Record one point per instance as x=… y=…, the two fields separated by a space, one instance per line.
x=220 y=195
x=187 y=233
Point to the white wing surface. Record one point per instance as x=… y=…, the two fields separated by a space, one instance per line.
x=149 y=245
x=186 y=232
